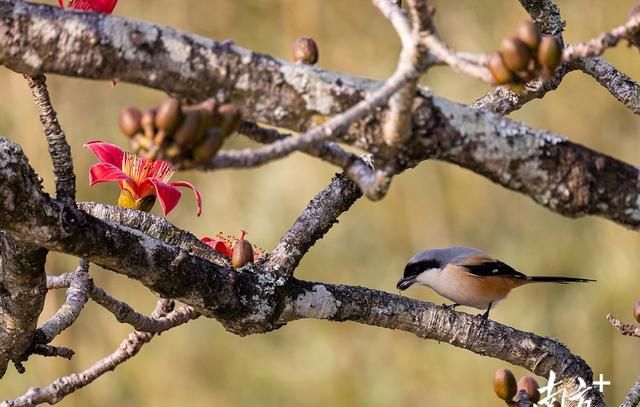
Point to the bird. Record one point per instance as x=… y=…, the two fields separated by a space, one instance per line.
x=469 y=276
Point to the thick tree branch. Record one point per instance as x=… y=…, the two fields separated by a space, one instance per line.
x=146 y=54
x=22 y=293
x=128 y=348
x=488 y=338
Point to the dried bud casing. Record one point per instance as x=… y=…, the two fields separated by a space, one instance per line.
x=549 y=53
x=305 y=51
x=169 y=115
x=530 y=385
x=501 y=74
x=504 y=384
x=130 y=119
x=242 y=253
x=515 y=54
x=528 y=33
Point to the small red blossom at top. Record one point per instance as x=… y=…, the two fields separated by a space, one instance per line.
x=101 y=6
x=141 y=178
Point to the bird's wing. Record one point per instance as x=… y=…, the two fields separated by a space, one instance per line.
x=485 y=266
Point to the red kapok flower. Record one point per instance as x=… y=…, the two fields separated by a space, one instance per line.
x=140 y=180
x=224 y=245
x=218 y=245
x=101 y=6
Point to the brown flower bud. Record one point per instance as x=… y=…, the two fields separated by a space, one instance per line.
x=636 y=310
x=515 y=54
x=130 y=120
x=190 y=130
x=504 y=384
x=147 y=122
x=501 y=74
x=556 y=403
x=549 y=53
x=242 y=252
x=305 y=51
x=530 y=385
x=209 y=146
x=529 y=34
x=169 y=115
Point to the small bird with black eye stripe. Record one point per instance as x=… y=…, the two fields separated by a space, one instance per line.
x=469 y=276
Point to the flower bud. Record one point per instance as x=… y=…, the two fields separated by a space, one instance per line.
x=636 y=310
x=515 y=54
x=231 y=117
x=209 y=146
x=549 y=53
x=147 y=122
x=528 y=33
x=130 y=120
x=501 y=74
x=530 y=385
x=190 y=130
x=242 y=252
x=504 y=384
x=305 y=51
x=169 y=115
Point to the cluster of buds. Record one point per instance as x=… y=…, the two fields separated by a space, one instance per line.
x=239 y=250
x=506 y=388
x=188 y=135
x=525 y=56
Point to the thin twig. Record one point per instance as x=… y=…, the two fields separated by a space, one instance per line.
x=599 y=44
x=624 y=329
x=633 y=396
x=123 y=312
x=59 y=149
x=619 y=85
x=64 y=386
x=77 y=296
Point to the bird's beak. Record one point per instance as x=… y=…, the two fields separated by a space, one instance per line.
x=405 y=283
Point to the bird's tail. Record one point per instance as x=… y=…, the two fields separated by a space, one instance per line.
x=555 y=279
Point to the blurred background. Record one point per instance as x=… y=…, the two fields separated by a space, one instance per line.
x=317 y=363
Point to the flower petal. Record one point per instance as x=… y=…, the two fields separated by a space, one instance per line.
x=167 y=194
x=106 y=152
x=60 y=3
x=105 y=172
x=218 y=245
x=186 y=184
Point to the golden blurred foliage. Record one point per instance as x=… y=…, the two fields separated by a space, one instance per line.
x=318 y=363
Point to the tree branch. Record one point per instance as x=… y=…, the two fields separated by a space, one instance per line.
x=624 y=329
x=22 y=293
x=619 y=85
x=59 y=149
x=314 y=222
x=77 y=296
x=488 y=338
x=64 y=386
x=261 y=81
